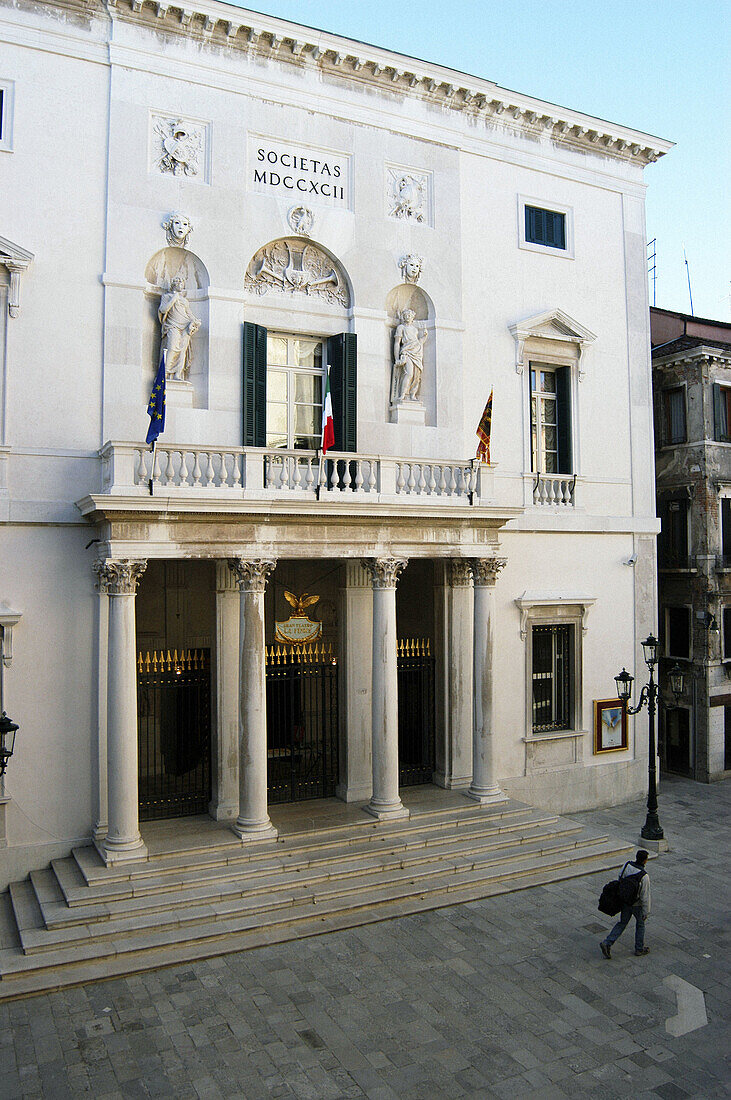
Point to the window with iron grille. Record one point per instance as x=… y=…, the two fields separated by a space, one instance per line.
x=551 y=677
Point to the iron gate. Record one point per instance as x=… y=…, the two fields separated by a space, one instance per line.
x=302 y=722
x=174 y=733
x=415 y=711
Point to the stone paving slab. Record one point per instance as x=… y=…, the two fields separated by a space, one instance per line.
x=503 y=997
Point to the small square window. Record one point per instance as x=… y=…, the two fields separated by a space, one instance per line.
x=547 y=227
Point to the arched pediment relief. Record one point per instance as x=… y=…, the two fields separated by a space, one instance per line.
x=16 y=260
x=554 y=327
x=173 y=262
x=293 y=265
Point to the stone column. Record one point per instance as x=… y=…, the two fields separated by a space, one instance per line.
x=484 y=787
x=458 y=659
x=101 y=813
x=253 y=821
x=356 y=623
x=224 y=805
x=385 y=802
x=123 y=841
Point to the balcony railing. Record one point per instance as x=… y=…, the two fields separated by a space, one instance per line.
x=554 y=489
x=129 y=469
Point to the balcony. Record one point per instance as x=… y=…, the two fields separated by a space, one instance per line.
x=554 y=489
x=228 y=474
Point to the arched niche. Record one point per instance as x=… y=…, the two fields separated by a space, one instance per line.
x=402 y=297
x=298 y=268
x=167 y=264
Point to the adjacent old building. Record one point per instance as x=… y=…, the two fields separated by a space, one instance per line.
x=691 y=362
x=230 y=621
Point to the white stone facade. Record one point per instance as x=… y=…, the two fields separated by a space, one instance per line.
x=307 y=169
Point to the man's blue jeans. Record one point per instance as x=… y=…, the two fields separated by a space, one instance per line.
x=624 y=918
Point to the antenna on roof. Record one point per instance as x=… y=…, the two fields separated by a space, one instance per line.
x=690 y=292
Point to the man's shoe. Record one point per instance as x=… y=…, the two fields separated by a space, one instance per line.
x=606 y=950
x=643 y=951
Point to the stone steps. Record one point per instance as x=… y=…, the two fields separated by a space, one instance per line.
x=176 y=907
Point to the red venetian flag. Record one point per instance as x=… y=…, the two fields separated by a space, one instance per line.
x=483 y=431
x=328 y=424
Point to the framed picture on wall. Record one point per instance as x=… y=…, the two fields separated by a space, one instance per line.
x=610 y=726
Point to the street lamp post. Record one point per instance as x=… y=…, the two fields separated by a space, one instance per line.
x=651 y=830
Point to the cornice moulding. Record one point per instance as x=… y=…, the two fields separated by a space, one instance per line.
x=295 y=44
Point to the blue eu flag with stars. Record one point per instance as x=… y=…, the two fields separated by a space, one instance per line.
x=156 y=404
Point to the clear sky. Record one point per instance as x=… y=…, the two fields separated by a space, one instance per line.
x=657 y=65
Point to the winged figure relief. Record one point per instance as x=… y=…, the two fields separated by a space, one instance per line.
x=299 y=603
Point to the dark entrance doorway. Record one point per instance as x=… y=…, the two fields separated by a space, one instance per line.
x=174 y=732
x=677 y=740
x=302 y=722
x=415 y=711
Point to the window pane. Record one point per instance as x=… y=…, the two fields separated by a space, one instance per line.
x=277 y=350
x=307 y=388
x=276 y=425
x=532 y=380
x=550 y=438
x=678 y=641
x=307 y=424
x=548 y=381
x=308 y=353
x=276 y=385
x=675 y=416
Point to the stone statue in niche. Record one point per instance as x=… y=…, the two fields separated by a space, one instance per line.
x=296 y=267
x=178 y=227
x=408 y=196
x=180 y=147
x=301 y=220
x=411 y=266
x=408 y=358
x=178 y=325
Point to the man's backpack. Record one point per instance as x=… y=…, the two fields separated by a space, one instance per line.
x=620 y=891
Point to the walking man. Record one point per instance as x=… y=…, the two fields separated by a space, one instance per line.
x=634 y=891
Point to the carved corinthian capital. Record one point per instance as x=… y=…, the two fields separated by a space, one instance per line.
x=485 y=570
x=460 y=573
x=251 y=576
x=119 y=578
x=384 y=572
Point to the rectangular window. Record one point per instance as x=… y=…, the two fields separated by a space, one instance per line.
x=7 y=90
x=550 y=420
x=673 y=548
x=722 y=412
x=551 y=676
x=677 y=632
x=295 y=375
x=726 y=530
x=726 y=629
x=546 y=227
x=674 y=415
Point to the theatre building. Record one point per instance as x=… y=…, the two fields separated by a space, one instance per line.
x=231 y=623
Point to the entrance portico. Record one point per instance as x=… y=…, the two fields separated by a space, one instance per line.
x=357 y=545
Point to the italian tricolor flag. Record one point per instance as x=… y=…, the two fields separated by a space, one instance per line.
x=328 y=425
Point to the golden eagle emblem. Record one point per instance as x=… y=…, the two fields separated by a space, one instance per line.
x=299 y=603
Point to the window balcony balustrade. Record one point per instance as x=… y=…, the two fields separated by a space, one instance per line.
x=554 y=489
x=240 y=473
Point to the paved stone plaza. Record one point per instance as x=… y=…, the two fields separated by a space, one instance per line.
x=506 y=997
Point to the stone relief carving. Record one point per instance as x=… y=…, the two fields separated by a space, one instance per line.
x=411 y=266
x=408 y=358
x=178 y=145
x=301 y=220
x=178 y=325
x=178 y=227
x=294 y=266
x=408 y=194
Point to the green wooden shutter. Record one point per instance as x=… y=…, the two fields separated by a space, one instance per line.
x=342 y=357
x=255 y=385
x=563 y=416
x=721 y=425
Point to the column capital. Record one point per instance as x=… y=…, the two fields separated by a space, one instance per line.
x=384 y=572
x=485 y=570
x=118 y=577
x=251 y=575
x=460 y=573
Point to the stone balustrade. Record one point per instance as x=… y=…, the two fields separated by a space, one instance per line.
x=226 y=472
x=554 y=489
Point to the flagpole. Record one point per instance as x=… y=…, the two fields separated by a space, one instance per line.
x=153 y=448
x=319 y=474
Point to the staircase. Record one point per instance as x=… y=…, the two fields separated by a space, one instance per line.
x=79 y=921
